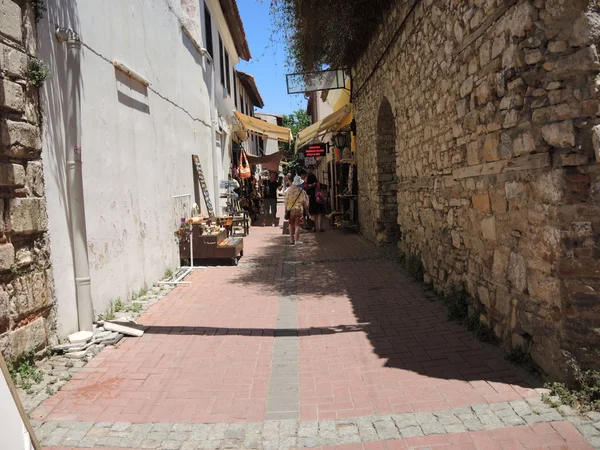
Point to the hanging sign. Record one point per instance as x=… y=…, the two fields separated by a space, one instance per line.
x=200 y=175
x=315 y=150
x=310 y=161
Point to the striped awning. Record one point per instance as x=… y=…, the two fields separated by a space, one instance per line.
x=263 y=129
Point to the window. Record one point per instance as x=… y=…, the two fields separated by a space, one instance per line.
x=235 y=97
x=227 y=72
x=242 y=104
x=222 y=62
x=208 y=41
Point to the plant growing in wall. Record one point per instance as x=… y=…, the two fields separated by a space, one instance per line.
x=39 y=8
x=37 y=72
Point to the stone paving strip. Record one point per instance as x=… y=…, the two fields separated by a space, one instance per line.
x=289 y=434
x=283 y=399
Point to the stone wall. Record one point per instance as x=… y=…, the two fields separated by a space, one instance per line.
x=497 y=138
x=26 y=293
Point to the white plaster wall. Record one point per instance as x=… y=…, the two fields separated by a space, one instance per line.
x=136 y=143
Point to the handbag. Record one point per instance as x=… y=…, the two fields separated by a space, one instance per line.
x=244 y=166
x=287 y=211
x=319 y=196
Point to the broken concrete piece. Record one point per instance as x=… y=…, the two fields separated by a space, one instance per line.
x=126 y=328
x=76 y=355
x=80 y=337
x=114 y=341
x=65 y=347
x=102 y=335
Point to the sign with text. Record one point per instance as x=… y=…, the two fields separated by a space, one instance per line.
x=315 y=150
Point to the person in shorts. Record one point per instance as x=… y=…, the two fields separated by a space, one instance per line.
x=296 y=202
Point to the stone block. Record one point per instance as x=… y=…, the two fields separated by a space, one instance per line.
x=29 y=337
x=20 y=140
x=523 y=144
x=560 y=134
x=572 y=159
x=29 y=293
x=488 y=228
x=473 y=153
x=491 y=148
x=500 y=265
x=481 y=202
x=544 y=288
x=467 y=87
x=12 y=175
x=7 y=256
x=10 y=20
x=11 y=96
x=585 y=60
x=12 y=61
x=27 y=215
x=35 y=178
x=517 y=272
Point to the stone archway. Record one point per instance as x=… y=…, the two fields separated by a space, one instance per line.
x=388 y=231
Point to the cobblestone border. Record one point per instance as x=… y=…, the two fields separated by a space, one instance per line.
x=288 y=434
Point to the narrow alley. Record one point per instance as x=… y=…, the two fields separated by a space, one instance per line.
x=326 y=344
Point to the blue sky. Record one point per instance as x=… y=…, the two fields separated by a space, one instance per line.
x=267 y=65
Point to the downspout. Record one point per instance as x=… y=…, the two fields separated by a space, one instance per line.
x=81 y=267
x=213 y=119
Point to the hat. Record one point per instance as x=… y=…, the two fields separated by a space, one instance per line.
x=297 y=181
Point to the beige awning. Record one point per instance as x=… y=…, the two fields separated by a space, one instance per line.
x=263 y=128
x=330 y=123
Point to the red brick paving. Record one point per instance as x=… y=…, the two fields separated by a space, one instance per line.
x=370 y=343
x=557 y=435
x=393 y=351
x=205 y=357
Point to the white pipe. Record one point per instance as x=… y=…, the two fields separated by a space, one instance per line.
x=81 y=267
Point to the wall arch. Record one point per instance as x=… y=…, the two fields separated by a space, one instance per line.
x=388 y=231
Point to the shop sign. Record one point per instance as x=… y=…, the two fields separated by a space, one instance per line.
x=315 y=150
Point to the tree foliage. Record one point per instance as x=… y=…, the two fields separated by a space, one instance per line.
x=330 y=33
x=296 y=122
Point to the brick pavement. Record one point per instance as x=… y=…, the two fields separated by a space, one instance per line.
x=315 y=345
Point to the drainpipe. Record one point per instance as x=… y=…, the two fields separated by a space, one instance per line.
x=213 y=131
x=81 y=267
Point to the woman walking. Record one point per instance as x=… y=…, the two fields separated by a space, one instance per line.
x=317 y=201
x=295 y=201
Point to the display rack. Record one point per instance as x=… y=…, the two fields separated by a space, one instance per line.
x=344 y=215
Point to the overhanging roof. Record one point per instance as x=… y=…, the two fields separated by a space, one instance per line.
x=330 y=123
x=249 y=84
x=236 y=28
x=263 y=129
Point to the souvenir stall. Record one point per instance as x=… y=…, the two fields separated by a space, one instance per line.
x=207 y=236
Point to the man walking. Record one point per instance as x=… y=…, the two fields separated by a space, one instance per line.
x=270 y=198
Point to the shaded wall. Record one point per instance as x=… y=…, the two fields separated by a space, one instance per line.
x=495 y=106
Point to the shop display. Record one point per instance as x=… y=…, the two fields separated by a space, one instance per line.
x=207 y=238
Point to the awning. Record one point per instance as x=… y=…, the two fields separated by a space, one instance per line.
x=264 y=129
x=269 y=162
x=330 y=123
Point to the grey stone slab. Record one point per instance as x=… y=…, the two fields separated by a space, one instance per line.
x=89 y=442
x=209 y=444
x=386 y=429
x=121 y=426
x=366 y=430
x=178 y=436
x=473 y=425
x=308 y=442
x=109 y=441
x=170 y=445
x=162 y=427
x=405 y=420
x=589 y=431
x=308 y=429
x=231 y=444
x=521 y=408
x=236 y=431
x=288 y=428
x=199 y=432
x=490 y=421
x=181 y=427
x=432 y=428
x=282 y=405
x=150 y=443
x=55 y=437
x=513 y=421
x=287 y=443
x=218 y=431
x=455 y=428
x=328 y=429
x=414 y=431
x=132 y=442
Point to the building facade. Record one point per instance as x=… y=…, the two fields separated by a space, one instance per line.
x=477 y=146
x=155 y=86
